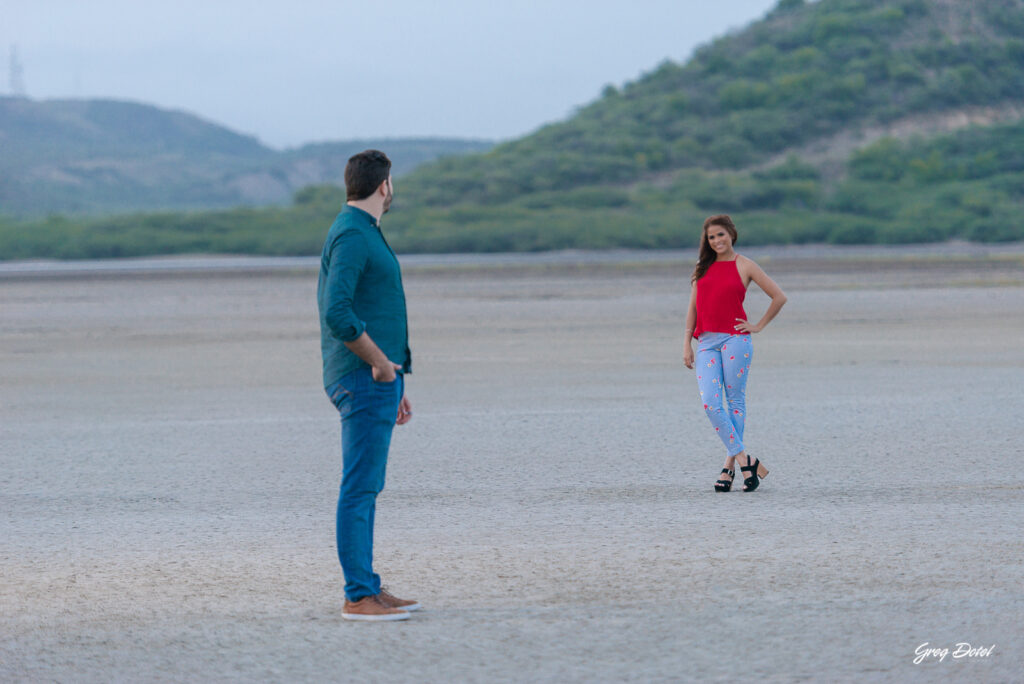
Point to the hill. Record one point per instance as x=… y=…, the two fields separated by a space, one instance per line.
x=804 y=73
x=765 y=120
x=847 y=121
x=101 y=156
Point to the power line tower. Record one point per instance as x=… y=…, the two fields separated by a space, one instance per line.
x=16 y=74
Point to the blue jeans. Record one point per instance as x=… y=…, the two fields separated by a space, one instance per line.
x=723 y=364
x=368 y=411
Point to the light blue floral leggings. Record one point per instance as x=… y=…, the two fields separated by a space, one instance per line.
x=723 y=364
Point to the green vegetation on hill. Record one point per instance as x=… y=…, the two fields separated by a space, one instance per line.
x=644 y=164
x=729 y=131
x=967 y=185
x=804 y=72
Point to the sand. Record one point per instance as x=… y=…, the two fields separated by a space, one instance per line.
x=169 y=468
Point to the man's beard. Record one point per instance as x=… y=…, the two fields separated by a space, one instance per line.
x=387 y=201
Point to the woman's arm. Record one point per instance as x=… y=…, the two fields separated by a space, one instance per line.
x=770 y=288
x=691 y=322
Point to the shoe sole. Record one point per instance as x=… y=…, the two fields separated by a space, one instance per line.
x=359 y=617
x=411 y=607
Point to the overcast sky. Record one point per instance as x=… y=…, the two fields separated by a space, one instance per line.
x=309 y=70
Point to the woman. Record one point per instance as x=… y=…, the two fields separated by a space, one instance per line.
x=717 y=321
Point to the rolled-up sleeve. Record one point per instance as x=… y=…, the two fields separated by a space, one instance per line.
x=348 y=258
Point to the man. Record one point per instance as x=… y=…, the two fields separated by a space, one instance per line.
x=365 y=344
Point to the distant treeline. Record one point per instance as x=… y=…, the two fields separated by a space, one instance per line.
x=969 y=185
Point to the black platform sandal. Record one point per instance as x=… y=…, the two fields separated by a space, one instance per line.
x=725 y=485
x=756 y=469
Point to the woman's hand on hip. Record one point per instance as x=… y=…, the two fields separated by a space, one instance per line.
x=744 y=327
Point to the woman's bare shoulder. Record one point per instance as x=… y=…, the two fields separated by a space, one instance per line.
x=746 y=263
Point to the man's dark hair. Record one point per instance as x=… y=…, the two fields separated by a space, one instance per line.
x=365 y=172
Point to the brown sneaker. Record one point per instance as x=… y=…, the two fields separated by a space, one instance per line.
x=394 y=602
x=372 y=609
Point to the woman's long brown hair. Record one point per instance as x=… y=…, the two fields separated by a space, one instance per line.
x=707 y=255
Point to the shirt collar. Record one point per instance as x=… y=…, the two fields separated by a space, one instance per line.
x=361 y=212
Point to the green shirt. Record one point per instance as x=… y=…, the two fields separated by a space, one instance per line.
x=360 y=290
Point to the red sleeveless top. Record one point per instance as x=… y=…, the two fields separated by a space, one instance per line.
x=720 y=295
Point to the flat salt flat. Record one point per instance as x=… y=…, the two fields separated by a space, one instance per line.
x=169 y=468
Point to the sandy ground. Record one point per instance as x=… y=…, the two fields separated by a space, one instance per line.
x=169 y=467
